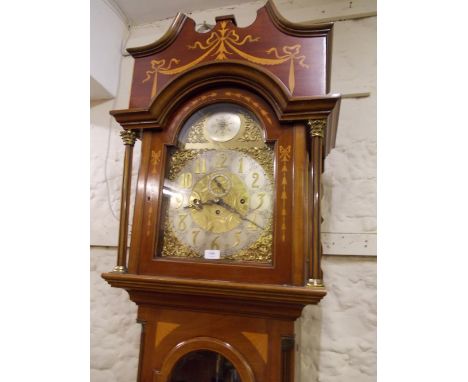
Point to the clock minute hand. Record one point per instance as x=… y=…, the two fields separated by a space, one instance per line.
x=222 y=203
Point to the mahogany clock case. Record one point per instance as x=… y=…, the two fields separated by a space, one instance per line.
x=239 y=314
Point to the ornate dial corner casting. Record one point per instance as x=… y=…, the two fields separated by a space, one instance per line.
x=259 y=252
x=317 y=127
x=252 y=132
x=264 y=156
x=221 y=44
x=285 y=156
x=128 y=137
x=196 y=134
x=172 y=247
x=179 y=158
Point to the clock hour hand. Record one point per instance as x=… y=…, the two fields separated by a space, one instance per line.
x=222 y=203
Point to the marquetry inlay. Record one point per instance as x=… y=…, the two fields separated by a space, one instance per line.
x=163 y=329
x=260 y=341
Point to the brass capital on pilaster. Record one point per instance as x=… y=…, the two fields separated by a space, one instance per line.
x=120 y=269
x=315 y=283
x=128 y=137
x=317 y=127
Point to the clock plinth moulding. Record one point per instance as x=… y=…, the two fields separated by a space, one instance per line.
x=233 y=313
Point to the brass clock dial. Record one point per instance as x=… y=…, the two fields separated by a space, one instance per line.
x=220 y=199
x=226 y=206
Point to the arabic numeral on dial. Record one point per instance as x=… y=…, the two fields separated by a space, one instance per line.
x=179 y=199
x=255 y=177
x=220 y=161
x=252 y=224
x=194 y=237
x=200 y=166
x=237 y=236
x=261 y=196
x=186 y=180
x=214 y=243
x=182 y=225
x=241 y=165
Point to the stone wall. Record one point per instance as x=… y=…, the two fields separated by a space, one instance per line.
x=338 y=337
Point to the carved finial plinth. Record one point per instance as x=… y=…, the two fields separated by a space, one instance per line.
x=128 y=137
x=317 y=127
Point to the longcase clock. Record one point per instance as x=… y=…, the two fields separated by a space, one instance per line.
x=225 y=249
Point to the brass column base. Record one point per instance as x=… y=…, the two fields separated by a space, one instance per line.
x=120 y=269
x=315 y=283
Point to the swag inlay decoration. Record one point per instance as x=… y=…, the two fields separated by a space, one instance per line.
x=224 y=44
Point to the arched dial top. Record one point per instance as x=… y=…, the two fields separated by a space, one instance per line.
x=218 y=191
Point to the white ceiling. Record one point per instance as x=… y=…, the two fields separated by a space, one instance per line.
x=146 y=11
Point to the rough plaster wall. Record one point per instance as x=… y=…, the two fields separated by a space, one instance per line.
x=115 y=335
x=338 y=337
x=349 y=179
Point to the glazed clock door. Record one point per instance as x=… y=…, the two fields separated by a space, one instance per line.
x=218 y=195
x=204 y=366
x=219 y=189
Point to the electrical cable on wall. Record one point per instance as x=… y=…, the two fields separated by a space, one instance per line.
x=110 y=127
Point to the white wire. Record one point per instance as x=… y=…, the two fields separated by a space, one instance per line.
x=110 y=126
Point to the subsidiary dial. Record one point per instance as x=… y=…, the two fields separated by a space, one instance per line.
x=222 y=126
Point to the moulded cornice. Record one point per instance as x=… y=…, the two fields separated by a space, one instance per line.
x=166 y=40
x=251 y=299
x=227 y=73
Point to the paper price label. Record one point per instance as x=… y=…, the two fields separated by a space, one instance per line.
x=212 y=254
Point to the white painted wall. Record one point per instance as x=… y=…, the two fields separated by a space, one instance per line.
x=337 y=337
x=108 y=33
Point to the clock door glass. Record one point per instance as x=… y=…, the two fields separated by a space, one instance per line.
x=218 y=189
x=204 y=366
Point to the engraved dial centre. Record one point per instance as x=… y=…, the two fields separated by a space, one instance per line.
x=220 y=196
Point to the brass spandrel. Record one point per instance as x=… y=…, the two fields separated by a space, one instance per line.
x=196 y=133
x=260 y=251
x=172 y=247
x=178 y=160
